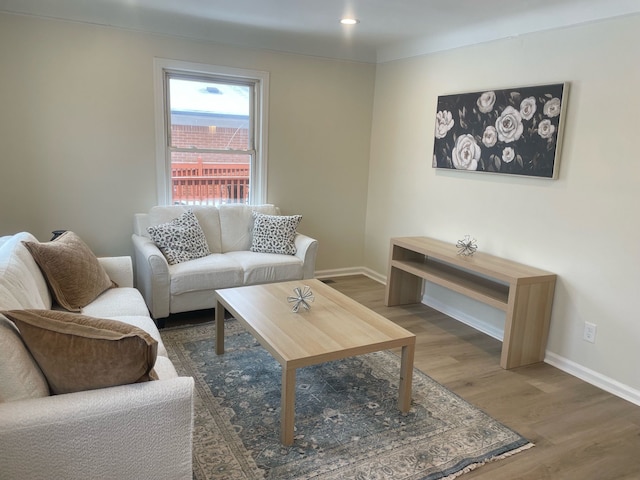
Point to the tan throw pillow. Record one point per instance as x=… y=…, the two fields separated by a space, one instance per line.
x=76 y=352
x=72 y=271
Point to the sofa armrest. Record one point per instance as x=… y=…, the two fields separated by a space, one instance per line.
x=141 y=431
x=119 y=269
x=152 y=275
x=307 y=250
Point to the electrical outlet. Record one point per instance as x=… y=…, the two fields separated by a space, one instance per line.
x=590 y=332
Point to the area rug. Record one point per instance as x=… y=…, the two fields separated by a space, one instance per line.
x=346 y=417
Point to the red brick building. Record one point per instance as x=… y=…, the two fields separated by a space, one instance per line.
x=209 y=178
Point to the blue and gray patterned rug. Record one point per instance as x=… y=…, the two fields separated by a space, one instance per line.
x=347 y=422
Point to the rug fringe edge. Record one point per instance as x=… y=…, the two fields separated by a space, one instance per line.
x=473 y=466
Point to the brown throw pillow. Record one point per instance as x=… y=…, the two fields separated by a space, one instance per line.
x=76 y=352
x=72 y=271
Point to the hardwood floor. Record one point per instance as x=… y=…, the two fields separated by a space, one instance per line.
x=580 y=431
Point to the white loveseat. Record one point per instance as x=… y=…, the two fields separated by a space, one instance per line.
x=228 y=229
x=140 y=430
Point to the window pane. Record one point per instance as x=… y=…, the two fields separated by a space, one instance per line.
x=209 y=115
x=209 y=178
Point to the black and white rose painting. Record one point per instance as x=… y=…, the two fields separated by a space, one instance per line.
x=514 y=131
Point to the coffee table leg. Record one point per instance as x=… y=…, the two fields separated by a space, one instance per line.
x=287 y=405
x=406 y=377
x=219 y=328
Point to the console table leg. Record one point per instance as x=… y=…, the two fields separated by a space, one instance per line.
x=527 y=323
x=402 y=288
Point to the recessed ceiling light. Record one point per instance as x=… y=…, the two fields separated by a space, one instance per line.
x=349 y=21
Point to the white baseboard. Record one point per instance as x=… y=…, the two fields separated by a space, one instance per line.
x=594 y=378
x=345 y=272
x=568 y=366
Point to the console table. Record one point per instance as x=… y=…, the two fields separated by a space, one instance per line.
x=524 y=293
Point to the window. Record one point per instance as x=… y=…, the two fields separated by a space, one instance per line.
x=211 y=134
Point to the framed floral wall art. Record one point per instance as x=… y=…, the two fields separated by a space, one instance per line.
x=514 y=131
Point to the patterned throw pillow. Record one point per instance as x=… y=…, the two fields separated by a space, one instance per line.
x=181 y=239
x=274 y=233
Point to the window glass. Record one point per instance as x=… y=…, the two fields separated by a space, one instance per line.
x=210 y=145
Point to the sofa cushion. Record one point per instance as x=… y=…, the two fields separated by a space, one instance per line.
x=267 y=267
x=125 y=304
x=236 y=224
x=20 y=376
x=4 y=239
x=76 y=352
x=7 y=298
x=116 y=302
x=180 y=239
x=22 y=284
x=209 y=273
x=209 y=219
x=274 y=233
x=72 y=271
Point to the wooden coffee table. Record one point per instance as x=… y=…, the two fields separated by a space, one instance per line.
x=335 y=327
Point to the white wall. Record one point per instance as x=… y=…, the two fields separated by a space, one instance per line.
x=77 y=133
x=584 y=226
x=77 y=138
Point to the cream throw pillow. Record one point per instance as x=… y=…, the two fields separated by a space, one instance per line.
x=72 y=271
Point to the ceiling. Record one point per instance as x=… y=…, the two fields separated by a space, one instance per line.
x=388 y=29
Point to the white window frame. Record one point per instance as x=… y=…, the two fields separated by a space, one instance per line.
x=258 y=170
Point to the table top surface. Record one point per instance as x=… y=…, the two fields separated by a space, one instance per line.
x=335 y=327
x=502 y=268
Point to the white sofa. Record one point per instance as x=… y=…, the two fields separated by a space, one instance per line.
x=189 y=285
x=141 y=430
